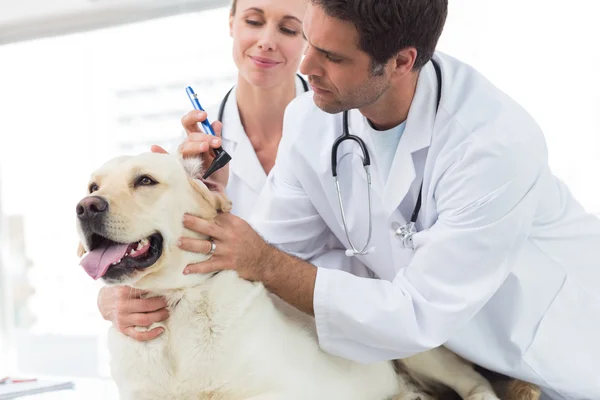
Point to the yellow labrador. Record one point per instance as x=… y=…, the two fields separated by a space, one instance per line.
x=225 y=338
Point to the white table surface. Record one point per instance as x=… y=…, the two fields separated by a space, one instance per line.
x=85 y=389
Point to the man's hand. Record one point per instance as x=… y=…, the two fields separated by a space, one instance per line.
x=238 y=247
x=126 y=309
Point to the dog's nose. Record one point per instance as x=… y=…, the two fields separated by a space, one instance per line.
x=91 y=206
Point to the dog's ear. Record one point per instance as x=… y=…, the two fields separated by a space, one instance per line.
x=192 y=166
x=80 y=250
x=222 y=202
x=216 y=197
x=215 y=194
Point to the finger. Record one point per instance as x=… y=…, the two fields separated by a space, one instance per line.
x=204 y=137
x=150 y=304
x=143 y=336
x=191 y=149
x=158 y=149
x=218 y=128
x=145 y=319
x=190 y=121
x=195 y=245
x=131 y=306
x=128 y=293
x=223 y=219
x=205 y=267
x=200 y=226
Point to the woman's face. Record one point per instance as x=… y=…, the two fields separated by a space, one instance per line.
x=267 y=40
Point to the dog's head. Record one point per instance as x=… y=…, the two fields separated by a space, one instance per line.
x=131 y=220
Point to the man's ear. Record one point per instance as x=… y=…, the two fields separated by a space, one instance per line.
x=404 y=61
x=80 y=250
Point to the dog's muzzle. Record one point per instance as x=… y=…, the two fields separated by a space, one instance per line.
x=107 y=258
x=91 y=212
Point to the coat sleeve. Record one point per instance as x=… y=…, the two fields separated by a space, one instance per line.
x=486 y=200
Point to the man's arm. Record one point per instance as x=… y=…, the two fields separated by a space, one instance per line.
x=486 y=203
x=290 y=278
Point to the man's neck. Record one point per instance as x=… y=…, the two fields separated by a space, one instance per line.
x=391 y=109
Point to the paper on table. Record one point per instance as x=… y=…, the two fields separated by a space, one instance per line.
x=14 y=390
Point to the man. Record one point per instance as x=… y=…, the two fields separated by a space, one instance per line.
x=504 y=269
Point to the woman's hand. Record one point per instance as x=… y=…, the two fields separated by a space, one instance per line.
x=199 y=143
x=126 y=309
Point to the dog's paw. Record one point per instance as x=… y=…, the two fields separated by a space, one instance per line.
x=483 y=396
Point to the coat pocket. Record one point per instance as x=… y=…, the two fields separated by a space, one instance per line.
x=565 y=351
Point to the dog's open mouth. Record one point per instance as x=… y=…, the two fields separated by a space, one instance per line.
x=110 y=259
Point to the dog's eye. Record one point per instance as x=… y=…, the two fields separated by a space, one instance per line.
x=145 y=180
x=93 y=187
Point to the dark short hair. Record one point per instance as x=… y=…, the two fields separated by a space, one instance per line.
x=385 y=27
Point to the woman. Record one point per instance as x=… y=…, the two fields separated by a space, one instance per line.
x=267 y=49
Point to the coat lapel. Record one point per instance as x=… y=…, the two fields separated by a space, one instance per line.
x=244 y=164
x=417 y=136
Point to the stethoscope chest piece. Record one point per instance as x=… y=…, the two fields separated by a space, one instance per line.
x=404 y=233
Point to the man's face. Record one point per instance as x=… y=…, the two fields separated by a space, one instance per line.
x=339 y=72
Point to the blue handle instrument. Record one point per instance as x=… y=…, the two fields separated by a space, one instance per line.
x=221 y=156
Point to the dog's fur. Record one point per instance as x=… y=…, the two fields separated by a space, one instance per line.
x=228 y=338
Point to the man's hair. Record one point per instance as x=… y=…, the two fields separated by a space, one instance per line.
x=385 y=27
x=233 y=7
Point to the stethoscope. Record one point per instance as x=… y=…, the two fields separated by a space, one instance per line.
x=224 y=101
x=404 y=232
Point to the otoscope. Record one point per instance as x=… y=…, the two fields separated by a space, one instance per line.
x=221 y=156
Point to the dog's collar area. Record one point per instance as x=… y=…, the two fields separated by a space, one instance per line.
x=176 y=302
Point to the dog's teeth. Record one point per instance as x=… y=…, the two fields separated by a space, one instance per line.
x=139 y=246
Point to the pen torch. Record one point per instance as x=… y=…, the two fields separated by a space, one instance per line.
x=221 y=156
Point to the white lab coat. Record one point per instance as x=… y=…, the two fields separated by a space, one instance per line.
x=246 y=175
x=506 y=267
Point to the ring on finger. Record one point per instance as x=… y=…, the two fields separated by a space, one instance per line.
x=213 y=247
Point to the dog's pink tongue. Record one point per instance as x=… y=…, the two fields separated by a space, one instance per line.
x=97 y=261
